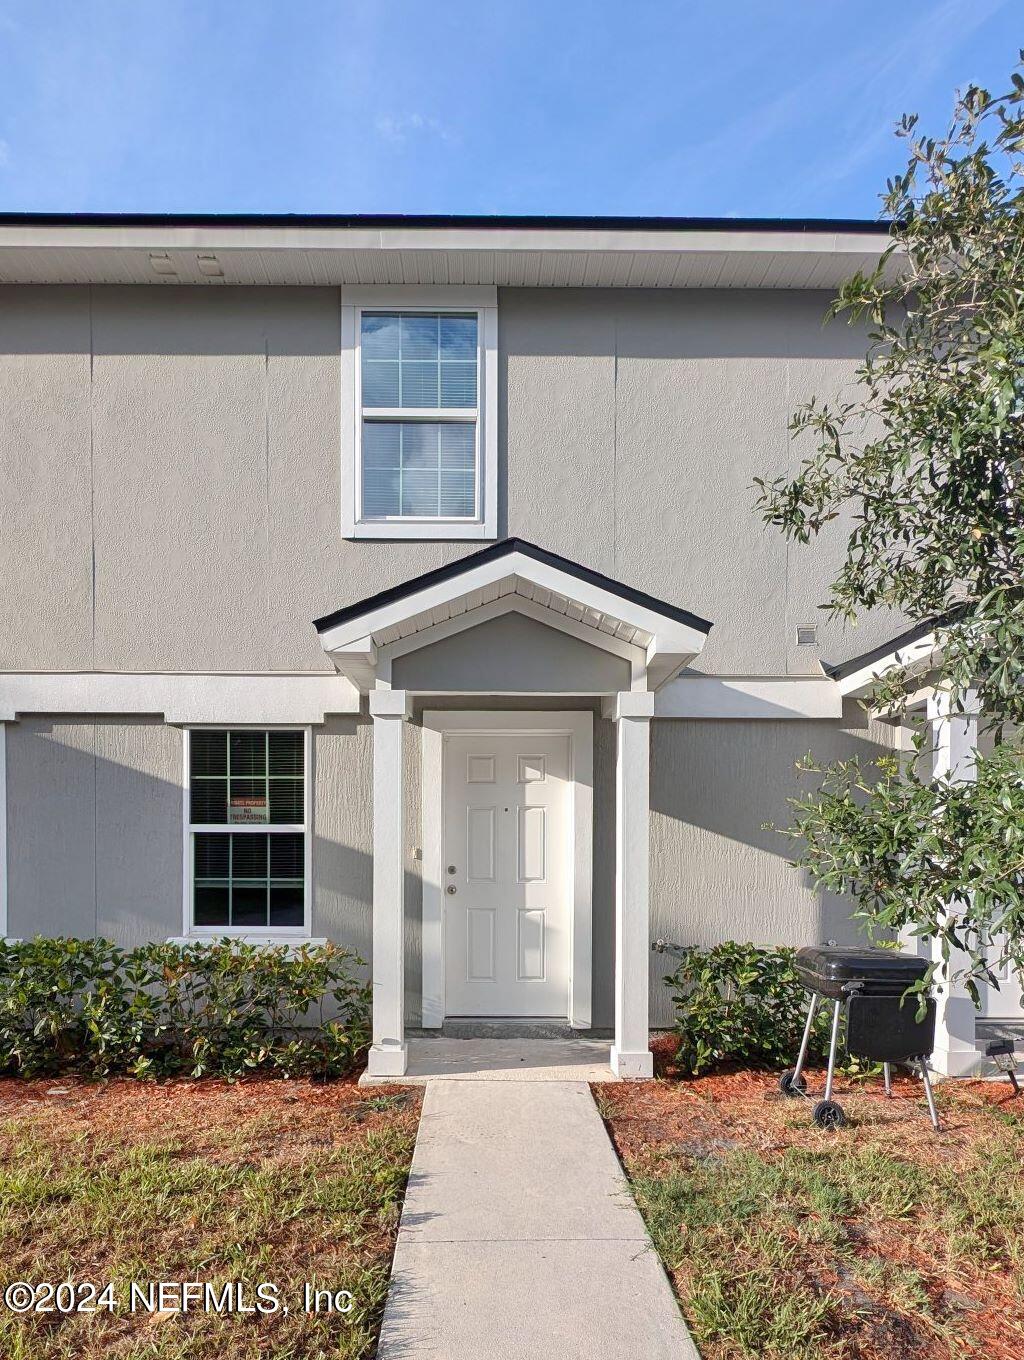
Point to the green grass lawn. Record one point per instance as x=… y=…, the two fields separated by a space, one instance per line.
x=264 y=1181
x=882 y=1241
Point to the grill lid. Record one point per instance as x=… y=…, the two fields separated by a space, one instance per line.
x=829 y=968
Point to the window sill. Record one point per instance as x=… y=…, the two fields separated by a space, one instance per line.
x=292 y=941
x=437 y=532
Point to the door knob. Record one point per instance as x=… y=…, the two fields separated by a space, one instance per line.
x=451 y=890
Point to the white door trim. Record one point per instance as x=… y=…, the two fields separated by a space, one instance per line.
x=578 y=726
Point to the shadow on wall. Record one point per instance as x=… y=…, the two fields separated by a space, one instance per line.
x=95 y=835
x=719 y=868
x=190 y=320
x=675 y=323
x=720 y=796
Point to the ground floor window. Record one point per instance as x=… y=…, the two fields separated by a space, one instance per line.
x=247 y=829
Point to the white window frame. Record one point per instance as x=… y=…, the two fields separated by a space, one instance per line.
x=255 y=934
x=484 y=302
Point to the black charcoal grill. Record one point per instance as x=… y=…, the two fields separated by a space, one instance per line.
x=880 y=1025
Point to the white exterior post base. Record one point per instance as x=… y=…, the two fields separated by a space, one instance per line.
x=387 y=1060
x=956 y=1059
x=631 y=1058
x=389 y=708
x=632 y=1066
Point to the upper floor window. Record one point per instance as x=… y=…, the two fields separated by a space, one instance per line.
x=419 y=428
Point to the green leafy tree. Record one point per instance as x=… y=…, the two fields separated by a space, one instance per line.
x=926 y=460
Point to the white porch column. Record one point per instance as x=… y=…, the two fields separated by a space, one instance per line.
x=954 y=739
x=389 y=708
x=3 y=830
x=631 y=1055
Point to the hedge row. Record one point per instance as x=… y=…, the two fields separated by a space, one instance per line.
x=224 y=1009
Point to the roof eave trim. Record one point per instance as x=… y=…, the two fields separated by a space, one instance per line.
x=451 y=221
x=672 y=636
x=914 y=655
x=420 y=585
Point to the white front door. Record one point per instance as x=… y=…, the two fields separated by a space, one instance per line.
x=1005 y=1002
x=505 y=874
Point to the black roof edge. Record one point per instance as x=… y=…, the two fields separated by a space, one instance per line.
x=503 y=549
x=838 y=670
x=455 y=221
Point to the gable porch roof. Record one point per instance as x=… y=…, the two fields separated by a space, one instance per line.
x=514 y=575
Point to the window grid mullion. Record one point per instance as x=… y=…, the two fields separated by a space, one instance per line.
x=401 y=389
x=437 y=343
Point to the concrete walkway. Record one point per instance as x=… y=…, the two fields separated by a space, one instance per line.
x=519 y=1239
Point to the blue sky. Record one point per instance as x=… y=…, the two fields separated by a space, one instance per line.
x=731 y=108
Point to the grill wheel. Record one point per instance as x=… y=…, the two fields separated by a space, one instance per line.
x=828 y=1115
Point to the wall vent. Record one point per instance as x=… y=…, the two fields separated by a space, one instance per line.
x=807 y=636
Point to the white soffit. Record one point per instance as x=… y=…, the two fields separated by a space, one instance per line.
x=602 y=622
x=186 y=699
x=786 y=255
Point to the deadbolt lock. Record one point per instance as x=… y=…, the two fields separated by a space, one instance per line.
x=451 y=868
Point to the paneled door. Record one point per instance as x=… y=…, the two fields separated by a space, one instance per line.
x=505 y=874
x=1007 y=1001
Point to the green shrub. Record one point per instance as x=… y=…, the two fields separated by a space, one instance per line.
x=223 y=1008
x=739 y=1003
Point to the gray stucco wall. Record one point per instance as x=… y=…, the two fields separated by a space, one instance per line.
x=169 y=467
x=169 y=500
x=343 y=833
x=95 y=836
x=511 y=652
x=94 y=831
x=719 y=868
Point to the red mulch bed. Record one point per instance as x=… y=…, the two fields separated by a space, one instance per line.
x=675 y=1122
x=137 y=1107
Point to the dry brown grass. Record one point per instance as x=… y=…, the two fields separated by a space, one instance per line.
x=882 y=1241
x=256 y=1181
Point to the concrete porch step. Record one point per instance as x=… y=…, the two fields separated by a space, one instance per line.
x=498 y=1027
x=520 y=1060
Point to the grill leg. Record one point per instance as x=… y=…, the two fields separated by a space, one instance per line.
x=933 y=1114
x=887 y=1073
x=805 y=1041
x=832 y=1051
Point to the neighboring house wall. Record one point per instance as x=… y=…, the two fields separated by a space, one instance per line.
x=179 y=448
